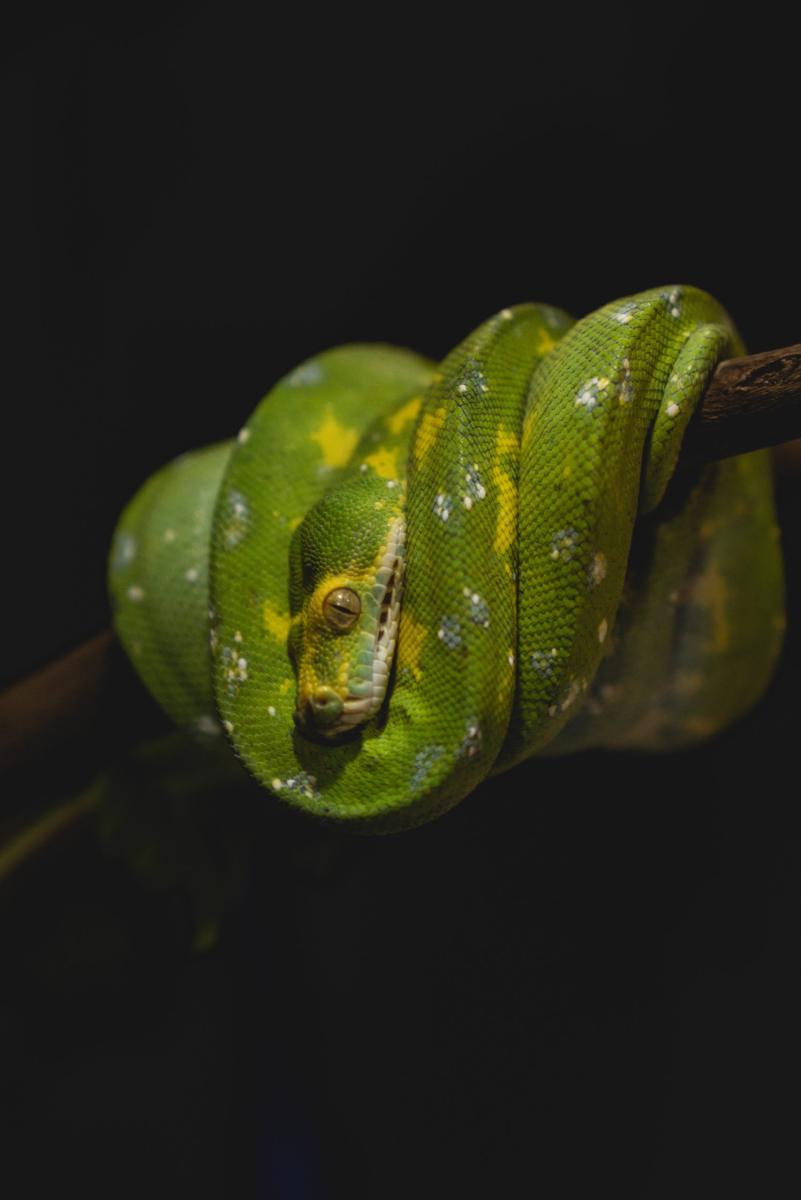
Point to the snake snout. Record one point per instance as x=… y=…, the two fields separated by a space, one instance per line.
x=322 y=708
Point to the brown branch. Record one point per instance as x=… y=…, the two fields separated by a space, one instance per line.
x=751 y=403
x=62 y=702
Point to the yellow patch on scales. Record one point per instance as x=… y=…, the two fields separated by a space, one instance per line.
x=337 y=442
x=404 y=415
x=384 y=463
x=276 y=623
x=411 y=636
x=428 y=432
x=545 y=342
x=506 y=529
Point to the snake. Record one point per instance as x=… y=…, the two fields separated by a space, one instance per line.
x=402 y=577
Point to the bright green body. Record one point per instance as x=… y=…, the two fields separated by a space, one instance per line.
x=550 y=603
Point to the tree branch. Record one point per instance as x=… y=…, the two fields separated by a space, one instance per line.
x=751 y=403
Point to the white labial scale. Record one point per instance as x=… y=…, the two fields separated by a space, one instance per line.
x=391 y=568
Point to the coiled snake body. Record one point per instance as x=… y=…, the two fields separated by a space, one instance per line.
x=401 y=578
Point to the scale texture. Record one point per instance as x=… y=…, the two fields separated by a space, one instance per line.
x=558 y=594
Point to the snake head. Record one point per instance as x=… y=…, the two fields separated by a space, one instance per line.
x=346 y=575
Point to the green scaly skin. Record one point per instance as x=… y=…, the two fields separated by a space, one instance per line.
x=551 y=602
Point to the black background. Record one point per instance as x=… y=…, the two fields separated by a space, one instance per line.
x=586 y=976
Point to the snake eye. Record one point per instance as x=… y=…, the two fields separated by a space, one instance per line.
x=341 y=608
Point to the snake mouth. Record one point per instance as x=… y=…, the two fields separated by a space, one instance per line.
x=330 y=713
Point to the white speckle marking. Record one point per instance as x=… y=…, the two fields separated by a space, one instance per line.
x=207 y=724
x=127 y=548
x=310 y=372
x=590 y=393
x=673 y=410
x=236 y=518
x=603 y=629
x=442 y=506
x=270 y=710
x=169 y=535
x=191 y=575
x=136 y=593
x=672 y=300
x=243 y=435
x=475 y=488
x=563 y=544
x=598 y=568
x=624 y=313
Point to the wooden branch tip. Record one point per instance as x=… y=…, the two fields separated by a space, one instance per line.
x=751 y=403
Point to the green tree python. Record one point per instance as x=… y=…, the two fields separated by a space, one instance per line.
x=401 y=578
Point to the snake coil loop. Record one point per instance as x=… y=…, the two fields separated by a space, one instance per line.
x=505 y=578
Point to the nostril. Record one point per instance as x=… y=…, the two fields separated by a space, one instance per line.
x=324 y=705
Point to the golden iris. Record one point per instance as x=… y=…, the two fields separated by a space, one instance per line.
x=341 y=608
